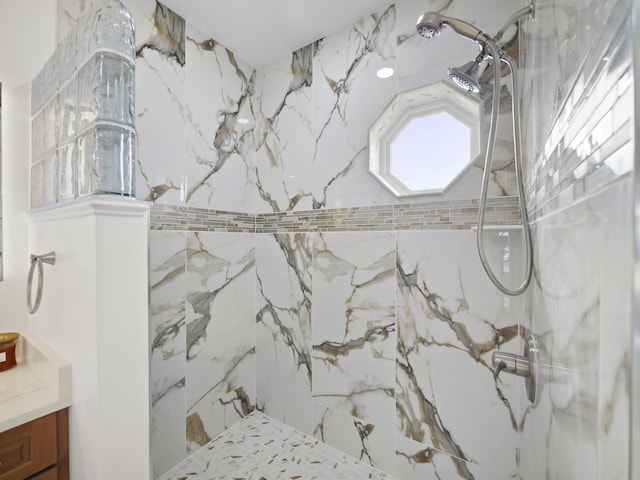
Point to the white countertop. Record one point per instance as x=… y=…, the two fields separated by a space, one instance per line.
x=39 y=384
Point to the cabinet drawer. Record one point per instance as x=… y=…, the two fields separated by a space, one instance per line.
x=28 y=449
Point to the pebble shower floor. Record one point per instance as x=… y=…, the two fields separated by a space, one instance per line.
x=261 y=448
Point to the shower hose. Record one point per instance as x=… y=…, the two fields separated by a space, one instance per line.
x=515 y=111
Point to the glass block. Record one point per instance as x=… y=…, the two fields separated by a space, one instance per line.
x=109 y=25
x=50 y=179
x=43 y=130
x=37 y=185
x=87 y=175
x=67 y=58
x=67 y=112
x=105 y=161
x=66 y=172
x=45 y=85
x=106 y=90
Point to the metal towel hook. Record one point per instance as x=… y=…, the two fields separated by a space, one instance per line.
x=38 y=260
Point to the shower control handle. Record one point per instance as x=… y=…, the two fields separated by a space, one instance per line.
x=516 y=364
x=526 y=366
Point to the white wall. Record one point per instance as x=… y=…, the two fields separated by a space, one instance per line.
x=15 y=188
x=94 y=313
x=27 y=32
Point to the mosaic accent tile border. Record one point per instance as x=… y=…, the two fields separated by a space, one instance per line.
x=589 y=144
x=259 y=447
x=171 y=217
x=440 y=215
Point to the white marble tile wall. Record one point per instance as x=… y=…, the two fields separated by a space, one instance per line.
x=283 y=328
x=315 y=108
x=284 y=133
x=168 y=340
x=581 y=310
x=354 y=323
x=348 y=97
x=219 y=163
x=202 y=338
x=395 y=327
x=579 y=147
x=220 y=352
x=200 y=153
x=160 y=102
x=307 y=145
x=450 y=320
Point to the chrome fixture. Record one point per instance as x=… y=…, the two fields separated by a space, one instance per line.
x=532 y=368
x=527 y=366
x=467 y=76
x=38 y=260
x=429 y=25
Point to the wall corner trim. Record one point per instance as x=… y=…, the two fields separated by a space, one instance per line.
x=99 y=205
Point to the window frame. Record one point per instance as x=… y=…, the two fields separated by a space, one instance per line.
x=417 y=103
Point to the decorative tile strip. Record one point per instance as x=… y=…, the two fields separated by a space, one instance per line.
x=172 y=217
x=590 y=144
x=439 y=215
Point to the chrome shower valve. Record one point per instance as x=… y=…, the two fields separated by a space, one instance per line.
x=526 y=366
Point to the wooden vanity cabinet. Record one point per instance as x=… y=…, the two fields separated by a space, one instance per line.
x=38 y=450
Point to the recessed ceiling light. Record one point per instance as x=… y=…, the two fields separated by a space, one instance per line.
x=385 y=72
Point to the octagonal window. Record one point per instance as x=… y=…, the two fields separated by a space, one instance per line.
x=424 y=140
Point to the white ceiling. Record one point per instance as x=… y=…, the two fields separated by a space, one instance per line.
x=261 y=31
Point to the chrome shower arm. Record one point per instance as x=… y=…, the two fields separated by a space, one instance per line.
x=513 y=19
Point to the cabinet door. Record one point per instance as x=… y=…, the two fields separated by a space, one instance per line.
x=51 y=474
x=28 y=449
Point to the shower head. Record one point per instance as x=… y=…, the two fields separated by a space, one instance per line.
x=467 y=76
x=430 y=25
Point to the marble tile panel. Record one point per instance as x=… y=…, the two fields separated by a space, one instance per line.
x=369 y=443
x=283 y=103
x=566 y=317
x=354 y=331
x=450 y=320
x=283 y=327
x=211 y=415
x=219 y=147
x=581 y=311
x=416 y=461
x=220 y=269
x=616 y=289
x=160 y=94
x=167 y=289
x=348 y=97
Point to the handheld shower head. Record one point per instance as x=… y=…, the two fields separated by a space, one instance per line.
x=430 y=24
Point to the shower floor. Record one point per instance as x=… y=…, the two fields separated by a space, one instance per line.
x=261 y=448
